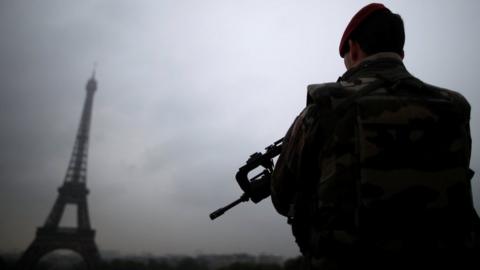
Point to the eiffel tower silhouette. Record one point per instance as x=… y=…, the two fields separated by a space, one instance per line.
x=51 y=236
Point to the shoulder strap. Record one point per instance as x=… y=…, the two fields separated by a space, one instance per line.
x=375 y=85
x=344 y=105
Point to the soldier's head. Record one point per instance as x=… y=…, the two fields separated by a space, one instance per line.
x=372 y=30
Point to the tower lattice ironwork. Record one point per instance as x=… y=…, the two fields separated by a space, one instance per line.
x=51 y=236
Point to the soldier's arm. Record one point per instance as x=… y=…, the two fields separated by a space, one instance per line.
x=285 y=178
x=283 y=174
x=303 y=137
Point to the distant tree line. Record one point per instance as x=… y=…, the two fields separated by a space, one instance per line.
x=189 y=263
x=185 y=263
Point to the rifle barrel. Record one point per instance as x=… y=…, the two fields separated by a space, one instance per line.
x=222 y=210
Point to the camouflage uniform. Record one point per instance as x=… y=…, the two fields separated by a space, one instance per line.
x=299 y=169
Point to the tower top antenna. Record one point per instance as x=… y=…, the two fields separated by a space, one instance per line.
x=94 y=69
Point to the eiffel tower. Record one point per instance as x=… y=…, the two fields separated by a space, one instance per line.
x=51 y=236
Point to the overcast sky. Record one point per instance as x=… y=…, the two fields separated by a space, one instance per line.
x=187 y=90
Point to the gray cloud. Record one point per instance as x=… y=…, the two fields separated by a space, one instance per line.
x=187 y=90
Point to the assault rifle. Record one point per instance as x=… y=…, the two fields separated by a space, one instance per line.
x=256 y=188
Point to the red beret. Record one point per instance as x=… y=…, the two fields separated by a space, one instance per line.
x=361 y=15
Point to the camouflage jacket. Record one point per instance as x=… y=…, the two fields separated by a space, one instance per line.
x=298 y=160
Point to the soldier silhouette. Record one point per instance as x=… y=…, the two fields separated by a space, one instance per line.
x=374 y=172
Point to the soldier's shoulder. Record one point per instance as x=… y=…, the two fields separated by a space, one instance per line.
x=449 y=94
x=318 y=93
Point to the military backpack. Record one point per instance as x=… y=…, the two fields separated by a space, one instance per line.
x=394 y=170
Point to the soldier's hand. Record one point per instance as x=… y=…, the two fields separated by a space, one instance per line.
x=260 y=188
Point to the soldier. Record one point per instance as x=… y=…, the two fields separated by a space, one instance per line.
x=376 y=169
